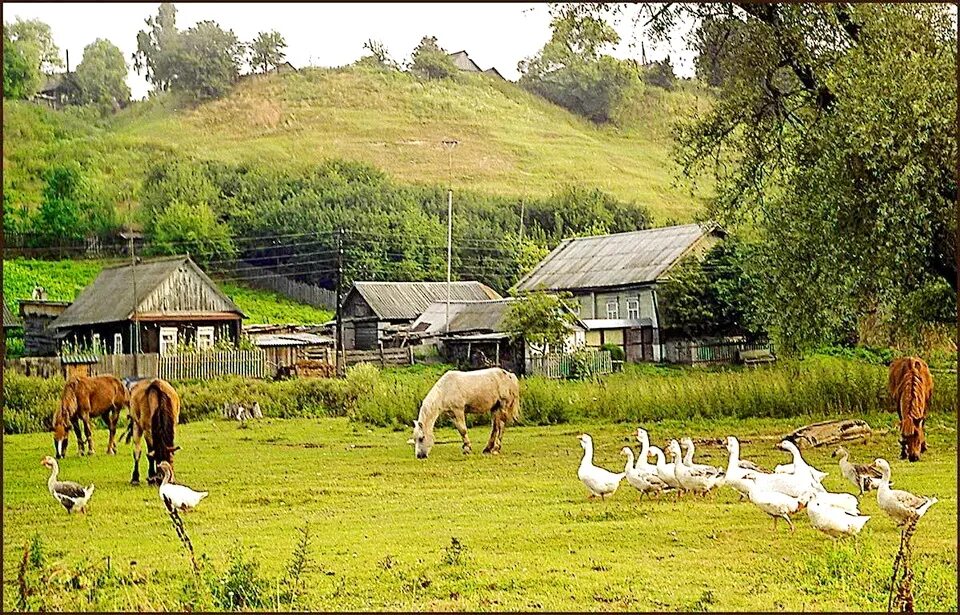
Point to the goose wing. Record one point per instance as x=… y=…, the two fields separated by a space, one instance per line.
x=749 y=465
x=907 y=499
x=68 y=489
x=870 y=469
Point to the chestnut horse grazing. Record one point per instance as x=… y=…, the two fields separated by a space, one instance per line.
x=456 y=393
x=154 y=414
x=911 y=387
x=83 y=398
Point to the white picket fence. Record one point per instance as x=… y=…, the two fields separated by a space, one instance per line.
x=200 y=366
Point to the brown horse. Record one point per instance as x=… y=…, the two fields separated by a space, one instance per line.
x=911 y=387
x=154 y=414
x=83 y=398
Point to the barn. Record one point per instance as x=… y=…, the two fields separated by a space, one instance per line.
x=175 y=303
x=614 y=280
x=373 y=311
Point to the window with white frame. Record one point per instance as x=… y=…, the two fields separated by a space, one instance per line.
x=204 y=337
x=633 y=309
x=117 y=343
x=613 y=309
x=168 y=339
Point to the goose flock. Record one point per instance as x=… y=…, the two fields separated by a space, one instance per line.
x=786 y=491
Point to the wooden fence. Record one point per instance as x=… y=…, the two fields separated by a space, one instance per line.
x=709 y=353
x=122 y=366
x=382 y=357
x=571 y=366
x=200 y=366
x=262 y=277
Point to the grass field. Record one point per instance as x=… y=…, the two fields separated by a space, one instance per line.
x=382 y=524
x=63 y=281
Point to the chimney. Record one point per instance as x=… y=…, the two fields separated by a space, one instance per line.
x=68 y=60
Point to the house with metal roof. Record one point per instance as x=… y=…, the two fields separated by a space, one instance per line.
x=10 y=321
x=614 y=278
x=463 y=62
x=171 y=300
x=373 y=311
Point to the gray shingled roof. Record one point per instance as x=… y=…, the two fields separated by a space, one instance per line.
x=110 y=297
x=407 y=300
x=613 y=260
x=464 y=316
x=10 y=319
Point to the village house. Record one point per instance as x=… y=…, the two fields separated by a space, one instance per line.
x=37 y=315
x=462 y=61
x=10 y=321
x=373 y=311
x=478 y=336
x=614 y=279
x=176 y=303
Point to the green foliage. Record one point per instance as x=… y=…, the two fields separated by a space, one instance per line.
x=432 y=62
x=241 y=585
x=101 y=76
x=570 y=71
x=192 y=228
x=207 y=60
x=659 y=74
x=36 y=42
x=29 y=402
x=615 y=350
x=156 y=47
x=267 y=50
x=540 y=319
x=66 y=211
x=379 y=56
x=18 y=74
x=265 y=307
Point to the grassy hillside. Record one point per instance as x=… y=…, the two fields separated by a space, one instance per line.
x=511 y=142
x=63 y=280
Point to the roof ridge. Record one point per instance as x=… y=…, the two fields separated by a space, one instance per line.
x=160 y=259
x=643 y=230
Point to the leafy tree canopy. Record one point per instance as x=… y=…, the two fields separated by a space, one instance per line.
x=267 y=51
x=431 y=61
x=156 y=47
x=207 y=60
x=19 y=76
x=102 y=76
x=540 y=319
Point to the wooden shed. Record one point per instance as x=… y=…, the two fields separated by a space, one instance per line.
x=37 y=316
x=175 y=303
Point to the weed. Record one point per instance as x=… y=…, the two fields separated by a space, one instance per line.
x=454 y=554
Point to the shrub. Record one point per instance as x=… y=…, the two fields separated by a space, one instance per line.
x=616 y=352
x=430 y=61
x=29 y=402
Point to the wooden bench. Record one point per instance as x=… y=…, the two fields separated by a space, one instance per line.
x=753 y=358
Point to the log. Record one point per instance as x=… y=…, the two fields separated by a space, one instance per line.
x=830 y=432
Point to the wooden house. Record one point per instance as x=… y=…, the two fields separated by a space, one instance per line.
x=10 y=321
x=614 y=280
x=463 y=62
x=175 y=303
x=287 y=345
x=373 y=311
x=37 y=316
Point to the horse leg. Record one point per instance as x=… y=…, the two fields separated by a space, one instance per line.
x=497 y=435
x=89 y=432
x=923 y=438
x=135 y=479
x=151 y=457
x=460 y=422
x=112 y=418
x=76 y=430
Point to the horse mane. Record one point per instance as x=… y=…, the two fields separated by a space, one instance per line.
x=911 y=396
x=166 y=403
x=69 y=403
x=431 y=405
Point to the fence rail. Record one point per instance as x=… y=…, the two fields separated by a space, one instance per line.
x=558 y=366
x=249 y=363
x=265 y=278
x=722 y=352
x=383 y=357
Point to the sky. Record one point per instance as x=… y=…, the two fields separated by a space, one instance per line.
x=331 y=35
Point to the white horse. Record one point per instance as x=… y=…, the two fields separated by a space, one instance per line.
x=456 y=393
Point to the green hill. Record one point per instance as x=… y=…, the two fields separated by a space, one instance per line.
x=511 y=142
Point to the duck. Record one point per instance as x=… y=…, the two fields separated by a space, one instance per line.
x=175 y=496
x=598 y=481
x=833 y=521
x=692 y=479
x=800 y=466
x=72 y=496
x=775 y=503
x=901 y=506
x=864 y=477
x=688 y=447
x=665 y=471
x=787 y=468
x=644 y=483
x=737 y=474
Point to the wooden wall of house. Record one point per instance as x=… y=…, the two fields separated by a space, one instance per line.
x=594 y=304
x=366 y=335
x=38 y=340
x=184 y=291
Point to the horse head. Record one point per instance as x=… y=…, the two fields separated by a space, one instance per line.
x=913 y=443
x=61 y=437
x=422 y=440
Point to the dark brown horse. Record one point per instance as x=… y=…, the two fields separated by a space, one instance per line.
x=154 y=414
x=82 y=399
x=911 y=387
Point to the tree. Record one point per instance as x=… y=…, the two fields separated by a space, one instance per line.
x=207 y=60
x=659 y=74
x=716 y=41
x=571 y=72
x=379 y=56
x=833 y=134
x=267 y=51
x=36 y=43
x=540 y=319
x=156 y=47
x=190 y=227
x=61 y=212
x=18 y=74
x=430 y=61
x=102 y=75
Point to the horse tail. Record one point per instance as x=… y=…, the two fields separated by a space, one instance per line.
x=511 y=405
x=166 y=403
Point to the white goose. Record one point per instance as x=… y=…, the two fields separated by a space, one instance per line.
x=665 y=471
x=863 y=476
x=71 y=496
x=642 y=464
x=691 y=479
x=644 y=483
x=800 y=467
x=688 y=448
x=737 y=476
x=175 y=496
x=901 y=506
x=598 y=481
x=832 y=521
x=776 y=504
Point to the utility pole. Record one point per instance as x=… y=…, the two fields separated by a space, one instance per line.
x=338 y=343
x=521 y=221
x=135 y=334
x=449 y=144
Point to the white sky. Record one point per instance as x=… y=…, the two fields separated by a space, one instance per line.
x=329 y=35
